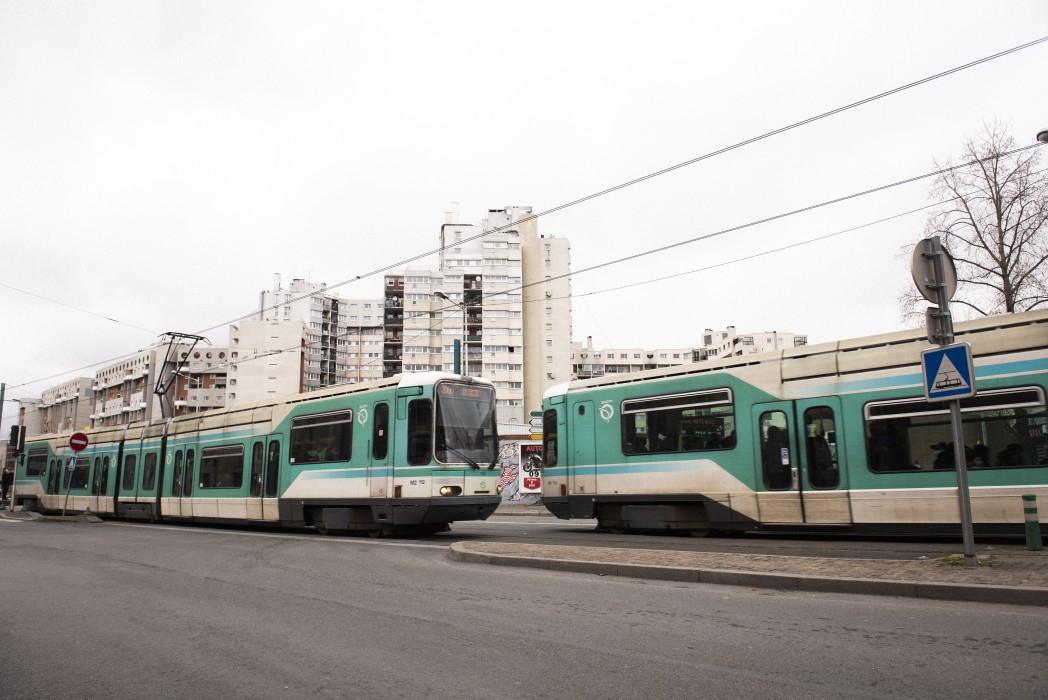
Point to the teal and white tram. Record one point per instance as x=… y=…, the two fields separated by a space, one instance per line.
x=836 y=435
x=416 y=451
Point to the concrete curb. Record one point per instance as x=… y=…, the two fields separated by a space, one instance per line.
x=32 y=515
x=1011 y=595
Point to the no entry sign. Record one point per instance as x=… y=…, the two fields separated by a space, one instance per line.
x=77 y=441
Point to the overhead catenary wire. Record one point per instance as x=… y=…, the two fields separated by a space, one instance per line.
x=816 y=239
x=652 y=251
x=664 y=171
x=649 y=176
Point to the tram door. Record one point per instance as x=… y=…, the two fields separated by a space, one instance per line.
x=256 y=477
x=180 y=503
x=797 y=453
x=378 y=460
x=820 y=447
x=103 y=501
x=582 y=472
x=264 y=479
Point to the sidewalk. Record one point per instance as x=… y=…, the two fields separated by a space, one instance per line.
x=1006 y=574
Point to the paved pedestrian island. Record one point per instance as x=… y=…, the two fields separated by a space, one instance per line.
x=1006 y=574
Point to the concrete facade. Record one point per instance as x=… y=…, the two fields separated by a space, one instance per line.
x=728 y=343
x=67 y=406
x=587 y=361
x=267 y=359
x=342 y=334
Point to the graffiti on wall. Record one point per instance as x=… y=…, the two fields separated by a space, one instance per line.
x=509 y=481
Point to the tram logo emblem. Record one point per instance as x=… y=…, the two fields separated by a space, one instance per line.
x=362 y=415
x=607 y=412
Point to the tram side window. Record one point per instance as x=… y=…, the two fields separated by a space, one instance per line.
x=222 y=467
x=256 y=469
x=52 y=476
x=327 y=437
x=187 y=478
x=821 y=447
x=36 y=464
x=176 y=480
x=775 y=451
x=1001 y=428
x=81 y=474
x=420 y=432
x=273 y=469
x=549 y=438
x=380 y=432
x=691 y=422
x=149 y=472
x=128 y=482
x=98 y=476
x=103 y=481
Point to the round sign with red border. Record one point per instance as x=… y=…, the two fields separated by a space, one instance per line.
x=77 y=441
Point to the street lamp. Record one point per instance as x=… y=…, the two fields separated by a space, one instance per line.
x=461 y=359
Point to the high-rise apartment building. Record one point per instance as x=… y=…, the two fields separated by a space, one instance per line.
x=503 y=292
x=501 y=295
x=67 y=406
x=343 y=342
x=124 y=392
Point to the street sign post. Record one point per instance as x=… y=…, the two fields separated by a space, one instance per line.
x=949 y=373
x=77 y=443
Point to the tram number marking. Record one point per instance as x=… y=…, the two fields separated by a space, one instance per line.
x=607 y=412
x=417 y=482
x=362 y=415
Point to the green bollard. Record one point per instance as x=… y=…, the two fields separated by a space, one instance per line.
x=1033 y=523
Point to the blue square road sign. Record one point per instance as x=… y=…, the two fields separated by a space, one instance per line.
x=948 y=372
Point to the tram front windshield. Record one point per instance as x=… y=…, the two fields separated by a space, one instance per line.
x=466 y=425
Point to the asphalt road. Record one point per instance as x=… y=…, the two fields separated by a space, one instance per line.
x=119 y=611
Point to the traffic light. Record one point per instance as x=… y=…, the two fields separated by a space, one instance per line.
x=14 y=443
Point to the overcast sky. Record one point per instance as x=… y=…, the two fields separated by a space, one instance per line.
x=160 y=161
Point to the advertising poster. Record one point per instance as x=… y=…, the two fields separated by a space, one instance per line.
x=529 y=474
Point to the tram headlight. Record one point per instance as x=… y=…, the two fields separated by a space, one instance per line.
x=450 y=490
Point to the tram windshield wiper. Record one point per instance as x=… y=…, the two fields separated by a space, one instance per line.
x=464 y=456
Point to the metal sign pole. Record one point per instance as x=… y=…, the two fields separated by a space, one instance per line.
x=963 y=495
x=937 y=283
x=69 y=481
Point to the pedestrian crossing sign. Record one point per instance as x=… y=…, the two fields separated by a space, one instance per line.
x=948 y=372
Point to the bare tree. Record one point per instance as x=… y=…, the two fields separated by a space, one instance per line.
x=995 y=225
